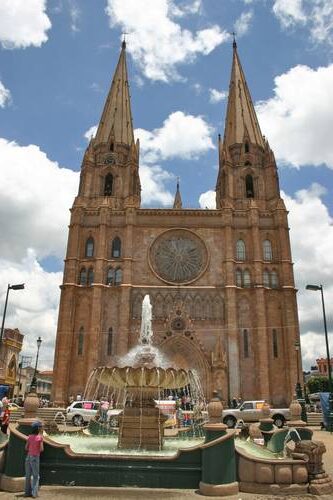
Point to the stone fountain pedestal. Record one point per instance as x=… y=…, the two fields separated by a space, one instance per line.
x=141 y=427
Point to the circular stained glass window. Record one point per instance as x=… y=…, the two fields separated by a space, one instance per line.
x=178 y=256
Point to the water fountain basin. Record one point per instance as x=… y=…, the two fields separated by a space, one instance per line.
x=130 y=377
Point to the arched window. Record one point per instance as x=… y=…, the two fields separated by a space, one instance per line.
x=246 y=278
x=116 y=248
x=80 y=341
x=266 y=278
x=90 y=278
x=249 y=189
x=274 y=280
x=118 y=276
x=240 y=250
x=108 y=185
x=239 y=280
x=89 y=247
x=110 y=342
x=246 y=147
x=246 y=343
x=267 y=250
x=110 y=276
x=275 y=343
x=112 y=146
x=83 y=276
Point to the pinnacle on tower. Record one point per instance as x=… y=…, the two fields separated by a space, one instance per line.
x=241 y=120
x=116 y=121
x=178 y=199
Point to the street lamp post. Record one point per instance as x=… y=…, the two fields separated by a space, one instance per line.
x=20 y=286
x=34 y=378
x=298 y=388
x=316 y=288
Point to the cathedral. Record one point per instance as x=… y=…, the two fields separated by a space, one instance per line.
x=220 y=281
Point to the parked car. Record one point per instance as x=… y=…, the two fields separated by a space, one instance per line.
x=250 y=411
x=81 y=412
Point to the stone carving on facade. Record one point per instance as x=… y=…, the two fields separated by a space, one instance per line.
x=219 y=368
x=197 y=305
x=178 y=256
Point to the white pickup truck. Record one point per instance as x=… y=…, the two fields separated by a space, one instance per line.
x=250 y=411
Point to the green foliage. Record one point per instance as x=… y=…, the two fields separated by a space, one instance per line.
x=317 y=384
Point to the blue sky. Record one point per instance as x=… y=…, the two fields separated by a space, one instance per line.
x=55 y=71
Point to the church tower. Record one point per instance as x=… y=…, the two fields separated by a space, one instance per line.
x=258 y=267
x=220 y=281
x=94 y=265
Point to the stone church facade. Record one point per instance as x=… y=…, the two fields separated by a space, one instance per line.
x=220 y=281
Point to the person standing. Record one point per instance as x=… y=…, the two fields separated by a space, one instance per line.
x=5 y=419
x=34 y=446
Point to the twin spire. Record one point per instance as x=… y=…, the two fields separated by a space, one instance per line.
x=116 y=122
x=241 y=121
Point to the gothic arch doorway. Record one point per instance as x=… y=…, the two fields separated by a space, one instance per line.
x=184 y=353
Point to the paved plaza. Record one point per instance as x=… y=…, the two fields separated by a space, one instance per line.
x=83 y=493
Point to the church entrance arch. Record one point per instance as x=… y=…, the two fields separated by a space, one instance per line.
x=184 y=353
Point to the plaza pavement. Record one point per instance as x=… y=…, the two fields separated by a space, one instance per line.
x=74 y=493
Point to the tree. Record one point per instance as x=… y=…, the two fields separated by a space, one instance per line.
x=317 y=384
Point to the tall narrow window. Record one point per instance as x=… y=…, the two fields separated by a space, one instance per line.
x=108 y=185
x=90 y=278
x=118 y=276
x=80 y=341
x=275 y=343
x=89 y=247
x=249 y=186
x=246 y=343
x=116 y=248
x=274 y=280
x=110 y=276
x=267 y=250
x=112 y=146
x=239 y=280
x=83 y=276
x=246 y=278
x=246 y=147
x=110 y=342
x=240 y=250
x=266 y=278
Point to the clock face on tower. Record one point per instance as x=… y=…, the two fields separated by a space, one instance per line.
x=178 y=256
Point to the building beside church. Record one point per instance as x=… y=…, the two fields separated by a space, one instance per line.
x=220 y=281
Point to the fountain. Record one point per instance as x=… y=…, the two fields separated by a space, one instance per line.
x=138 y=380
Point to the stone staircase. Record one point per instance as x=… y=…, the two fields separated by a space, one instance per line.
x=314 y=419
x=45 y=414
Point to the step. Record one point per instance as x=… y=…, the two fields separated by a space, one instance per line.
x=314 y=418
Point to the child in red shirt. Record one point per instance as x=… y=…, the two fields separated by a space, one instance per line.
x=34 y=446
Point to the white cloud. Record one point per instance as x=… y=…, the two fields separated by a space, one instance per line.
x=159 y=44
x=316 y=15
x=242 y=24
x=75 y=15
x=289 y=12
x=5 y=97
x=311 y=232
x=208 y=200
x=217 y=95
x=35 y=197
x=91 y=132
x=23 y=23
x=182 y=136
x=298 y=120
x=153 y=178
x=34 y=310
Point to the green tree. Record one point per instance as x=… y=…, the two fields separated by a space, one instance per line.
x=317 y=384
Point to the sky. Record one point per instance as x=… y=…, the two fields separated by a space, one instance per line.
x=57 y=59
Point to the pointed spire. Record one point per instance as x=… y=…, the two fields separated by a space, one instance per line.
x=178 y=199
x=116 y=118
x=241 y=119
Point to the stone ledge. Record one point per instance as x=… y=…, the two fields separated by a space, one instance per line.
x=218 y=490
x=274 y=489
x=12 y=484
